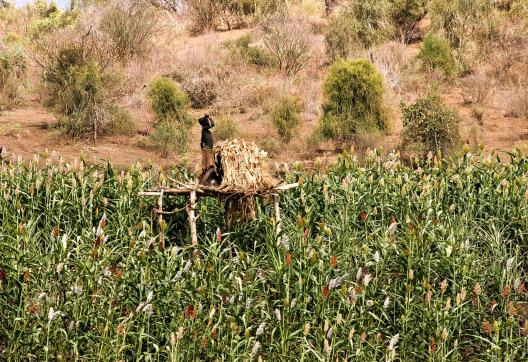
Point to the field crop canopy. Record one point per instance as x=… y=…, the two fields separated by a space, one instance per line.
x=376 y=261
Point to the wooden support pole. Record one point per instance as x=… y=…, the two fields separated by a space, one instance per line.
x=287 y=187
x=160 y=222
x=276 y=204
x=149 y=193
x=192 y=218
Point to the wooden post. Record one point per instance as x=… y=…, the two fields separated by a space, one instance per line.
x=276 y=199
x=192 y=218
x=160 y=222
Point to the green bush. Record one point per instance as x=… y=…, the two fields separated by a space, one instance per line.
x=339 y=38
x=169 y=137
x=56 y=74
x=253 y=55
x=13 y=38
x=226 y=128
x=88 y=103
x=49 y=18
x=270 y=145
x=173 y=123
x=285 y=117
x=430 y=125
x=460 y=21
x=354 y=100
x=362 y=24
x=122 y=122
x=13 y=70
x=167 y=100
x=437 y=55
x=130 y=27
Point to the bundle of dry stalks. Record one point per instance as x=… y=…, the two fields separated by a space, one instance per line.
x=245 y=171
x=244 y=165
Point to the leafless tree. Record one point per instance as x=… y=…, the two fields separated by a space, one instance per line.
x=289 y=42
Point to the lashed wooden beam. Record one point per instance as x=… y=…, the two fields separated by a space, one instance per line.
x=194 y=190
x=212 y=191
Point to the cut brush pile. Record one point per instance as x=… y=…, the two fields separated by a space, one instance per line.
x=245 y=171
x=245 y=166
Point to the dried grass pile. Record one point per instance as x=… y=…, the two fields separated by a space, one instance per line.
x=245 y=171
x=245 y=166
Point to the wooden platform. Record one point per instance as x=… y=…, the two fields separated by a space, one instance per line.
x=216 y=191
x=195 y=190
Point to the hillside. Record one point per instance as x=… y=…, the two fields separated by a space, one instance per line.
x=226 y=73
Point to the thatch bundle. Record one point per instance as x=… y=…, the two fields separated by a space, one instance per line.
x=245 y=172
x=244 y=166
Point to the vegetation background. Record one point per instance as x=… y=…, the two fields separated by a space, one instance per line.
x=79 y=76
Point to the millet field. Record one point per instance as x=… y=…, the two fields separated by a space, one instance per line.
x=377 y=261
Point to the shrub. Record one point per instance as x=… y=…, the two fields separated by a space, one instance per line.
x=10 y=130
x=362 y=24
x=270 y=145
x=211 y=14
x=430 y=125
x=122 y=122
x=173 y=124
x=462 y=20
x=406 y=14
x=169 y=137
x=288 y=40
x=88 y=103
x=519 y=9
x=226 y=128
x=517 y=107
x=476 y=88
x=57 y=69
x=285 y=117
x=201 y=90
x=251 y=54
x=477 y=113
x=13 y=38
x=49 y=19
x=339 y=38
x=266 y=7
x=390 y=59
x=130 y=27
x=175 y=6
x=13 y=69
x=437 y=55
x=57 y=52
x=167 y=100
x=354 y=100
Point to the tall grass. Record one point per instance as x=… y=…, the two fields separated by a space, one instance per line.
x=377 y=261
